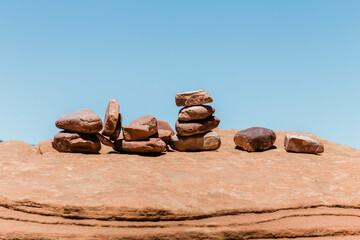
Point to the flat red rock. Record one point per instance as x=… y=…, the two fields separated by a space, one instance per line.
x=195 y=112
x=302 y=144
x=196 y=127
x=83 y=121
x=115 y=135
x=153 y=145
x=140 y=129
x=111 y=118
x=201 y=142
x=76 y=142
x=192 y=98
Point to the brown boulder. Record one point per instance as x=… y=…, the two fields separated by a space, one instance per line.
x=83 y=121
x=105 y=141
x=192 y=98
x=76 y=142
x=165 y=126
x=140 y=129
x=153 y=145
x=255 y=138
x=164 y=135
x=111 y=118
x=302 y=144
x=202 y=142
x=196 y=127
x=115 y=135
x=195 y=112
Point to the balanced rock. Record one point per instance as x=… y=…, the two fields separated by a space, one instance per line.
x=76 y=142
x=165 y=126
x=82 y=121
x=105 y=141
x=201 y=142
x=140 y=129
x=302 y=144
x=192 y=98
x=255 y=138
x=115 y=135
x=195 y=112
x=111 y=118
x=196 y=127
x=153 y=145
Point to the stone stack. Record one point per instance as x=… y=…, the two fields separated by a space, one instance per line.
x=79 y=135
x=195 y=122
x=143 y=136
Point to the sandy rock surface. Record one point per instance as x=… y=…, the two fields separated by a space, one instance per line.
x=223 y=194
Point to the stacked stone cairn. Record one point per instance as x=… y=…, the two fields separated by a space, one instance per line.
x=145 y=135
x=195 y=122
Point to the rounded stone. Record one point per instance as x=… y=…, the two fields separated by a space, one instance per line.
x=82 y=121
x=255 y=138
x=195 y=112
x=76 y=142
x=202 y=142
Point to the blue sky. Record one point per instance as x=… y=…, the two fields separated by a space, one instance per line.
x=285 y=65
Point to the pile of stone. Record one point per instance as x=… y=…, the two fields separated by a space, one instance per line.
x=79 y=135
x=145 y=135
x=195 y=122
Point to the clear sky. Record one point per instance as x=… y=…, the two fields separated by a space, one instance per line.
x=284 y=65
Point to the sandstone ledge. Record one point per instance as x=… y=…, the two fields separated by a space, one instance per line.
x=226 y=194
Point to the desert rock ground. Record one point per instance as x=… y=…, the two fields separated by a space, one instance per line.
x=222 y=194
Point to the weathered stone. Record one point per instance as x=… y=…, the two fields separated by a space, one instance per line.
x=195 y=112
x=140 y=129
x=115 y=135
x=192 y=98
x=302 y=144
x=153 y=145
x=196 y=127
x=111 y=118
x=255 y=138
x=83 y=121
x=76 y=142
x=202 y=142
x=165 y=126
x=105 y=141
x=164 y=135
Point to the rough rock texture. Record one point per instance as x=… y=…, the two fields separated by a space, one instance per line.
x=153 y=145
x=192 y=98
x=223 y=194
x=195 y=112
x=76 y=142
x=46 y=146
x=83 y=121
x=164 y=135
x=165 y=126
x=255 y=138
x=196 y=127
x=140 y=129
x=105 y=141
x=111 y=118
x=302 y=144
x=117 y=131
x=202 y=142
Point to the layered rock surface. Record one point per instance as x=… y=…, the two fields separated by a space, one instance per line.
x=226 y=194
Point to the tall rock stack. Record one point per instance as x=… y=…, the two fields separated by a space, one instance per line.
x=195 y=122
x=79 y=135
x=142 y=136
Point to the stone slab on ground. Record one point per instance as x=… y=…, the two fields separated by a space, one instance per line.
x=224 y=194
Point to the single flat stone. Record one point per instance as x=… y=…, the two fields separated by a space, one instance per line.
x=192 y=98
x=302 y=144
x=196 y=127
x=153 y=145
x=82 y=121
x=165 y=126
x=105 y=141
x=111 y=118
x=195 y=112
x=202 y=142
x=140 y=129
x=76 y=142
x=255 y=138
x=115 y=135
